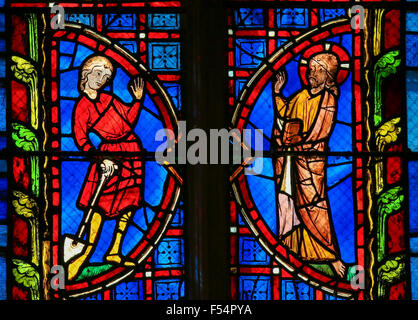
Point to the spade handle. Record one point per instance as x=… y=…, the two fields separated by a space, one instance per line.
x=82 y=229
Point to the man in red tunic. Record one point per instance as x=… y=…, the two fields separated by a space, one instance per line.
x=110 y=119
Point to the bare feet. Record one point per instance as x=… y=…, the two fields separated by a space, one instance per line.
x=339 y=268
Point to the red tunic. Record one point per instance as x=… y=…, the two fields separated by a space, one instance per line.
x=113 y=122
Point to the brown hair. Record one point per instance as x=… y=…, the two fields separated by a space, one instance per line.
x=88 y=66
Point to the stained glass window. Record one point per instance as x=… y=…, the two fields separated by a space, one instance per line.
x=88 y=98
x=323 y=94
x=322 y=211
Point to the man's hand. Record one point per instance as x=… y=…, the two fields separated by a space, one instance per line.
x=138 y=88
x=108 y=168
x=281 y=80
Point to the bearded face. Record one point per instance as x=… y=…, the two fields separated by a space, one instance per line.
x=317 y=74
x=321 y=71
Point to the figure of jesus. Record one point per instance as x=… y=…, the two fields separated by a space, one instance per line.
x=304 y=123
x=113 y=121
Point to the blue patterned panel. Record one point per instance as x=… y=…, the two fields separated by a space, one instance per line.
x=87 y=19
x=3 y=197
x=413 y=245
x=414 y=278
x=129 y=291
x=412 y=108
x=168 y=289
x=3 y=143
x=249 y=18
x=169 y=253
x=2 y=109
x=164 y=21
x=3 y=279
x=251 y=253
x=2 y=67
x=411 y=50
x=2 y=22
x=3 y=236
x=254 y=287
x=131 y=46
x=116 y=21
x=413 y=196
x=174 y=91
x=293 y=18
x=412 y=21
x=330 y=14
x=3 y=190
x=249 y=52
x=296 y=290
x=164 y=56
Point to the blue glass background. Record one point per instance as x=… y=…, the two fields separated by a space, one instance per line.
x=413 y=195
